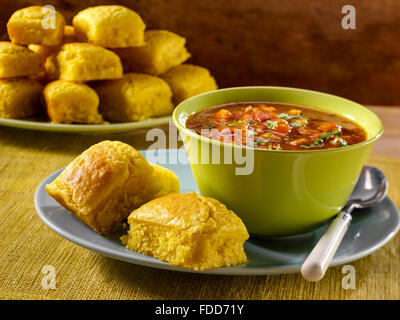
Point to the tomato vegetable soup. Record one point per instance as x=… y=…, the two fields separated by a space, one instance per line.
x=275 y=126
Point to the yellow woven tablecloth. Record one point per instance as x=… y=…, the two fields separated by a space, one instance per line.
x=27 y=245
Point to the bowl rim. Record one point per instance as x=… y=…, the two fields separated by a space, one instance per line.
x=177 y=111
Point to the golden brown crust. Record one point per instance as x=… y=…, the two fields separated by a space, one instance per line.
x=26 y=27
x=167 y=178
x=19 y=98
x=18 y=61
x=104 y=184
x=78 y=61
x=187 y=230
x=188 y=80
x=70 y=102
x=185 y=211
x=162 y=51
x=135 y=97
x=110 y=26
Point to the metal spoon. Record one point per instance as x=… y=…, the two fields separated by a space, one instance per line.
x=370 y=189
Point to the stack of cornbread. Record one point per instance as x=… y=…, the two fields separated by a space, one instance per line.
x=105 y=67
x=19 y=94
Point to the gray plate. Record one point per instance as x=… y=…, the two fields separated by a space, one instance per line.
x=370 y=229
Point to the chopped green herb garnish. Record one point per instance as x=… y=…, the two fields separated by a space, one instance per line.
x=334 y=132
x=232 y=124
x=317 y=143
x=296 y=124
x=289 y=116
x=271 y=124
x=250 y=123
x=270 y=146
x=261 y=142
x=325 y=137
x=314 y=144
x=278 y=147
x=342 y=142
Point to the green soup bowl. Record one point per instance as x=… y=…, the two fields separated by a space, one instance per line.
x=277 y=192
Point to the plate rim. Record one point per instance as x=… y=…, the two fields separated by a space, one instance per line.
x=83 y=128
x=143 y=260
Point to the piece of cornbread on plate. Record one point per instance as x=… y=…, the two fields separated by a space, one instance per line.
x=187 y=230
x=188 y=80
x=167 y=178
x=36 y=25
x=135 y=97
x=83 y=62
x=104 y=184
x=110 y=26
x=18 y=61
x=19 y=98
x=70 y=102
x=162 y=51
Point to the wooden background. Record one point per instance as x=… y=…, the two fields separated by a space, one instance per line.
x=297 y=43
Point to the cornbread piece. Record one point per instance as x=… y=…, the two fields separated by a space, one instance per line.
x=188 y=80
x=83 y=62
x=167 y=178
x=135 y=97
x=104 y=184
x=110 y=26
x=18 y=61
x=19 y=98
x=163 y=50
x=187 y=230
x=70 y=102
x=36 y=25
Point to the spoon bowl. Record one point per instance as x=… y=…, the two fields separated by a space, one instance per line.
x=370 y=189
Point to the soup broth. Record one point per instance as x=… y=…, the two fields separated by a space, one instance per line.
x=275 y=126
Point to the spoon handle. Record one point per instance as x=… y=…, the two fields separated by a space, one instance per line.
x=314 y=267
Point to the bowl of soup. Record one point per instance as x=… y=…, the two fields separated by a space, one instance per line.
x=284 y=159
